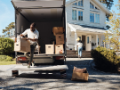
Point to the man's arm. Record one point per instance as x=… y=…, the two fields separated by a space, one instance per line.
x=32 y=39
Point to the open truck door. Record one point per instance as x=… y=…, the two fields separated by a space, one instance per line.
x=47 y=14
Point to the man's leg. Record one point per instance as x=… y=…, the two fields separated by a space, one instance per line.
x=32 y=47
x=80 y=52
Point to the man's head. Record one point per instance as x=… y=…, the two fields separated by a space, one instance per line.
x=32 y=26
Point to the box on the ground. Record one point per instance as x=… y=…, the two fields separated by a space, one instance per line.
x=22 y=45
x=58 y=30
x=58 y=49
x=49 y=48
x=80 y=74
x=59 y=39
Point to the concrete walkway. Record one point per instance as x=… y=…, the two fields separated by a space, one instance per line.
x=32 y=81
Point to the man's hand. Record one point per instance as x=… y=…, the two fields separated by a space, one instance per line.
x=21 y=35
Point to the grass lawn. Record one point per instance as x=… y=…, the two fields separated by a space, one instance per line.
x=7 y=62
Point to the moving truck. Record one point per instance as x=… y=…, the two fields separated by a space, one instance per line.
x=46 y=14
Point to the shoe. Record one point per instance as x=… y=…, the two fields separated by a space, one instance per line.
x=33 y=64
x=28 y=66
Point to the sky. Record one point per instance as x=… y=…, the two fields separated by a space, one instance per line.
x=7 y=14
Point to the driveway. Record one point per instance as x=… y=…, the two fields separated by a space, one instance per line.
x=98 y=80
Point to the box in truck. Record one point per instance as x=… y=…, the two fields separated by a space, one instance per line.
x=22 y=46
x=47 y=14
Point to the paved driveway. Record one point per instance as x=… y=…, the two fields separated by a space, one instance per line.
x=32 y=81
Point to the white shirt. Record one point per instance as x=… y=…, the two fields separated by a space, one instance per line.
x=79 y=44
x=32 y=35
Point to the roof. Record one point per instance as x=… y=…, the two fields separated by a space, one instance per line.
x=88 y=29
x=96 y=2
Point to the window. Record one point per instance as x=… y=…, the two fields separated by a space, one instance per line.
x=87 y=39
x=75 y=4
x=97 y=18
x=74 y=15
x=92 y=17
x=80 y=15
x=91 y=6
x=96 y=8
x=80 y=3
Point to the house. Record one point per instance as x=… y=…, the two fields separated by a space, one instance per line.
x=86 y=20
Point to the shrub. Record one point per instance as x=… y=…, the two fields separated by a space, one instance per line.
x=6 y=46
x=105 y=59
x=5 y=58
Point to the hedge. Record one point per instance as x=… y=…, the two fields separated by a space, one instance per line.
x=5 y=58
x=106 y=59
x=6 y=46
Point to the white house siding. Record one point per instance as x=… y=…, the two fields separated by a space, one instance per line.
x=86 y=21
x=86 y=14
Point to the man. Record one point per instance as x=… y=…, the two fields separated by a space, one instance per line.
x=32 y=35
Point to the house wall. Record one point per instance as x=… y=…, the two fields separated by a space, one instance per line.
x=86 y=21
x=86 y=14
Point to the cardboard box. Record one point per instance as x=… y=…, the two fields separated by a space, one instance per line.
x=80 y=74
x=49 y=48
x=59 y=39
x=58 y=48
x=22 y=46
x=58 y=30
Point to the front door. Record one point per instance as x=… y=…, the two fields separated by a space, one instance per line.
x=83 y=41
x=88 y=42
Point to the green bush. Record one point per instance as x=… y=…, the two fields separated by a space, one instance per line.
x=5 y=58
x=105 y=59
x=6 y=46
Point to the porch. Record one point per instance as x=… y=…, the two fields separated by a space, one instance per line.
x=91 y=37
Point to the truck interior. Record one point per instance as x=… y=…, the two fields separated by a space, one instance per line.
x=45 y=13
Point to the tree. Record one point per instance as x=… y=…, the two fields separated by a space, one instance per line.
x=108 y=3
x=114 y=39
x=7 y=29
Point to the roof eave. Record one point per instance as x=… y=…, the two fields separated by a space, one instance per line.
x=96 y=1
x=102 y=6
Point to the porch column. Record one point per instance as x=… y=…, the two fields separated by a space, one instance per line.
x=75 y=41
x=101 y=43
x=104 y=44
x=96 y=40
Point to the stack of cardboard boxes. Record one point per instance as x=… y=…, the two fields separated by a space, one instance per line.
x=58 y=46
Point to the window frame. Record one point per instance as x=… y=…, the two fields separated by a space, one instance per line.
x=80 y=3
x=78 y=15
x=74 y=3
x=72 y=15
x=93 y=6
x=95 y=18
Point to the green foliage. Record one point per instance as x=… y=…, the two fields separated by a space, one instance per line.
x=6 y=46
x=113 y=39
x=105 y=59
x=5 y=58
x=108 y=3
x=10 y=26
